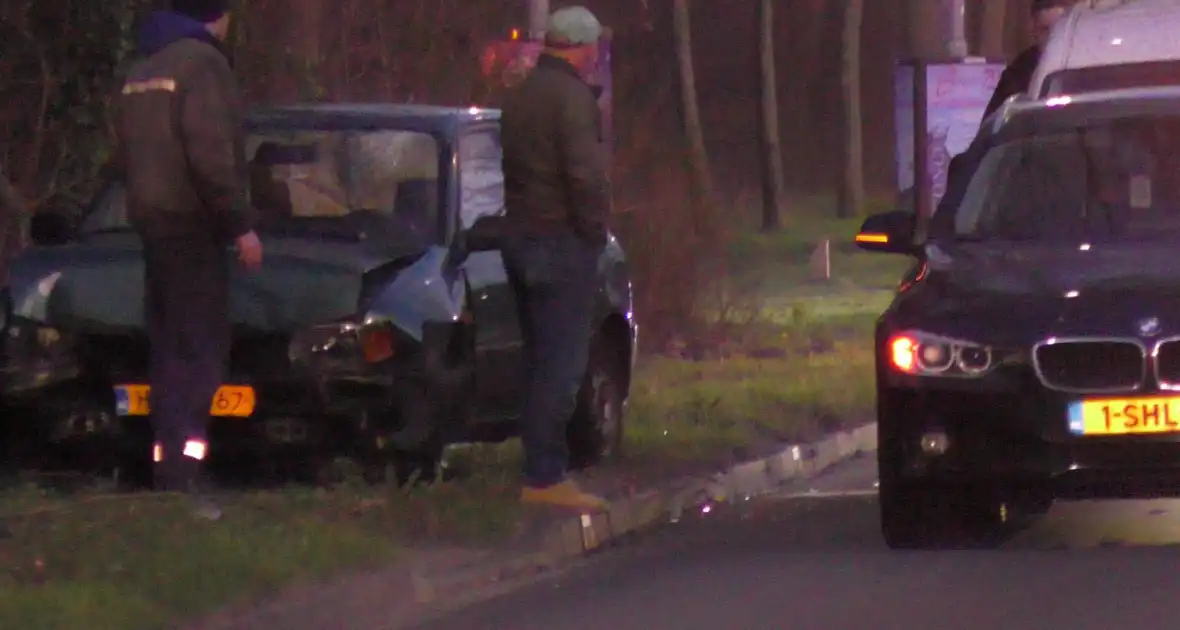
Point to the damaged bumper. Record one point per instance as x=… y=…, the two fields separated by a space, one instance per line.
x=352 y=374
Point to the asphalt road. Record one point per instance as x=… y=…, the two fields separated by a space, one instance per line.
x=812 y=557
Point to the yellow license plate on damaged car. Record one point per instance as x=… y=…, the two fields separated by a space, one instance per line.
x=235 y=401
x=1125 y=416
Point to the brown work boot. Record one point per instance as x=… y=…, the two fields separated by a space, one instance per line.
x=566 y=494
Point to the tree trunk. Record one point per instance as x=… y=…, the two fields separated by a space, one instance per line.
x=853 y=189
x=703 y=179
x=773 y=186
x=927 y=29
x=538 y=18
x=13 y=222
x=994 y=29
x=310 y=55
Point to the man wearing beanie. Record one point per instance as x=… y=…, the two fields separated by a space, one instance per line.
x=182 y=152
x=556 y=207
x=1018 y=74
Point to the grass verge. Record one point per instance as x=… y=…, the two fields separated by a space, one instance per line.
x=140 y=562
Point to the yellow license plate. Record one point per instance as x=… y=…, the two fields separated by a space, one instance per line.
x=236 y=401
x=1125 y=416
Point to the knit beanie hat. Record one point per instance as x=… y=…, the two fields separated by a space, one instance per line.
x=205 y=11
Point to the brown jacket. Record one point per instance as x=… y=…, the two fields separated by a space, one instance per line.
x=182 y=143
x=555 y=174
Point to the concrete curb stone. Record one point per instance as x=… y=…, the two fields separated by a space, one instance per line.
x=579 y=536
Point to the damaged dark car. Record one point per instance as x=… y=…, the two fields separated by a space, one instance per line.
x=376 y=328
x=1032 y=352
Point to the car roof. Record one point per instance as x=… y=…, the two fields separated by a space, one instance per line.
x=1111 y=32
x=1021 y=117
x=435 y=119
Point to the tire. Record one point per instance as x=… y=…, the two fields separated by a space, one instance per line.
x=927 y=513
x=934 y=515
x=595 y=433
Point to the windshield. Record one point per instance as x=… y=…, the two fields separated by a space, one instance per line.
x=1111 y=181
x=345 y=184
x=1112 y=77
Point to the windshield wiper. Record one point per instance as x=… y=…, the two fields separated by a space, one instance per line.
x=122 y=229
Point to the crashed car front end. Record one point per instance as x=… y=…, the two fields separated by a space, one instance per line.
x=354 y=315
x=281 y=383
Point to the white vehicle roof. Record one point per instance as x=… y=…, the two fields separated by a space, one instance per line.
x=1110 y=32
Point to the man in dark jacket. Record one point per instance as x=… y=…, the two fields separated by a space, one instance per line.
x=1017 y=76
x=14 y=219
x=182 y=147
x=557 y=204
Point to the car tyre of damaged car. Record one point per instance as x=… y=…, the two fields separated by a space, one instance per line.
x=595 y=432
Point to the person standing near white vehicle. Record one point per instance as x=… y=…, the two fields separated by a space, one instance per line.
x=1018 y=74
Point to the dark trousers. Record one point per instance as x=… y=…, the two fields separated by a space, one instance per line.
x=554 y=280
x=186 y=289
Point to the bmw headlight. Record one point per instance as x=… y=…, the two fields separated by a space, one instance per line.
x=926 y=354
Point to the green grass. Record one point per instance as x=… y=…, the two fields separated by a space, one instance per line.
x=144 y=562
x=684 y=410
x=786 y=357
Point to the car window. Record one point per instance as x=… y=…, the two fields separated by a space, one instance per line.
x=108 y=210
x=331 y=183
x=1114 y=180
x=481 y=175
x=1112 y=77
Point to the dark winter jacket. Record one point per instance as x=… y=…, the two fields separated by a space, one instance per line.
x=555 y=171
x=1015 y=78
x=182 y=144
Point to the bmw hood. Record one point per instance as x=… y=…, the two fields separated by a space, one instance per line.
x=97 y=285
x=1022 y=294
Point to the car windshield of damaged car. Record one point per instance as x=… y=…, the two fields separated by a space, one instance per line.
x=379 y=186
x=1118 y=180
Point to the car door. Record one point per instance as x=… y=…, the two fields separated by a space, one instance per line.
x=498 y=339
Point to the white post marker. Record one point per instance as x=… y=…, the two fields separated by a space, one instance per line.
x=821 y=261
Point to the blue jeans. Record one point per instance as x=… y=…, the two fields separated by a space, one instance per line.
x=555 y=280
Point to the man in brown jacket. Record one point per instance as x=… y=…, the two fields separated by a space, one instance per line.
x=557 y=203
x=182 y=147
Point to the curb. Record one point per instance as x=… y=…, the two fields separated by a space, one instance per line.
x=577 y=537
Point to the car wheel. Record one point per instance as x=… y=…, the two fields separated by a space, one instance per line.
x=595 y=432
x=927 y=513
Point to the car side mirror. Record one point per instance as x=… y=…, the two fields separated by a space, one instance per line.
x=50 y=228
x=889 y=233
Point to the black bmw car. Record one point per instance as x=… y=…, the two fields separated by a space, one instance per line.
x=1032 y=352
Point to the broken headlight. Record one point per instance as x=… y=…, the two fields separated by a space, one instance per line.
x=36 y=355
x=361 y=342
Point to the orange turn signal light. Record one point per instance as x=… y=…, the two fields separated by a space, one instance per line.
x=377 y=343
x=870 y=237
x=903 y=353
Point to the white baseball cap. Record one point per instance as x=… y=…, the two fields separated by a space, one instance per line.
x=572 y=26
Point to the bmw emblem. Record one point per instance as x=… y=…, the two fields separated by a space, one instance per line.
x=1149 y=326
